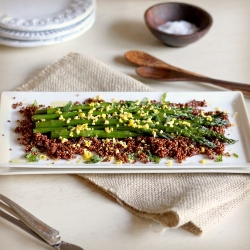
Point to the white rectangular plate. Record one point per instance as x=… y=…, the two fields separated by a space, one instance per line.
x=12 y=159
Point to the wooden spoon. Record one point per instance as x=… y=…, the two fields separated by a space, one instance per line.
x=153 y=68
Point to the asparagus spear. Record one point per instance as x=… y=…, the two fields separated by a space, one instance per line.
x=163 y=121
x=93 y=133
x=200 y=135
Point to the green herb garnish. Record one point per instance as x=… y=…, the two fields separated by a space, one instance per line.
x=35 y=104
x=32 y=155
x=67 y=107
x=235 y=155
x=163 y=99
x=144 y=101
x=219 y=159
x=132 y=157
x=95 y=159
x=154 y=158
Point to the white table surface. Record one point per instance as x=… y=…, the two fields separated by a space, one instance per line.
x=83 y=214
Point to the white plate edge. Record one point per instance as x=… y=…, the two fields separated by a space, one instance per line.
x=239 y=94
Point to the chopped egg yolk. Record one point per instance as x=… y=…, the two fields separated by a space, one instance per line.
x=63 y=140
x=82 y=127
x=209 y=118
x=118 y=162
x=87 y=143
x=58 y=111
x=203 y=161
x=43 y=157
x=186 y=123
x=86 y=155
x=108 y=130
x=131 y=123
x=61 y=118
x=170 y=163
x=81 y=115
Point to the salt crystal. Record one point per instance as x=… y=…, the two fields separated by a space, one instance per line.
x=178 y=27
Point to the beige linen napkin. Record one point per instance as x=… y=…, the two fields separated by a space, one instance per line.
x=194 y=202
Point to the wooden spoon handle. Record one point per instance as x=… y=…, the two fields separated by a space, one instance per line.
x=164 y=74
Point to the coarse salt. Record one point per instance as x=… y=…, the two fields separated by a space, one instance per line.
x=178 y=27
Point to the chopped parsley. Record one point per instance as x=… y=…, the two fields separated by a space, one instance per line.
x=235 y=155
x=32 y=156
x=132 y=157
x=95 y=159
x=154 y=158
x=144 y=101
x=219 y=159
x=163 y=99
x=35 y=104
x=67 y=107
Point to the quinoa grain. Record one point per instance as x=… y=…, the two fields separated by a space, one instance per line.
x=122 y=150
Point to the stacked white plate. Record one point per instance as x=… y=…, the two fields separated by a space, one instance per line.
x=31 y=23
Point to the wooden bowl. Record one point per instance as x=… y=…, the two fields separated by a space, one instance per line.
x=173 y=11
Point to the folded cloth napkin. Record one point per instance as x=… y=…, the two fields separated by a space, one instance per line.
x=194 y=202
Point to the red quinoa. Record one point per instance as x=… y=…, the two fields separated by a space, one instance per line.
x=178 y=148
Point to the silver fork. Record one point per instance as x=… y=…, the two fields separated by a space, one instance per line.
x=32 y=225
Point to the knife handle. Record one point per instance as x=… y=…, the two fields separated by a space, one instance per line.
x=50 y=235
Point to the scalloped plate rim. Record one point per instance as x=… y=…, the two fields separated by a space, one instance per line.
x=54 y=22
x=42 y=35
x=56 y=40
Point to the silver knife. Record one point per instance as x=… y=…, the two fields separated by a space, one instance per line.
x=32 y=225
